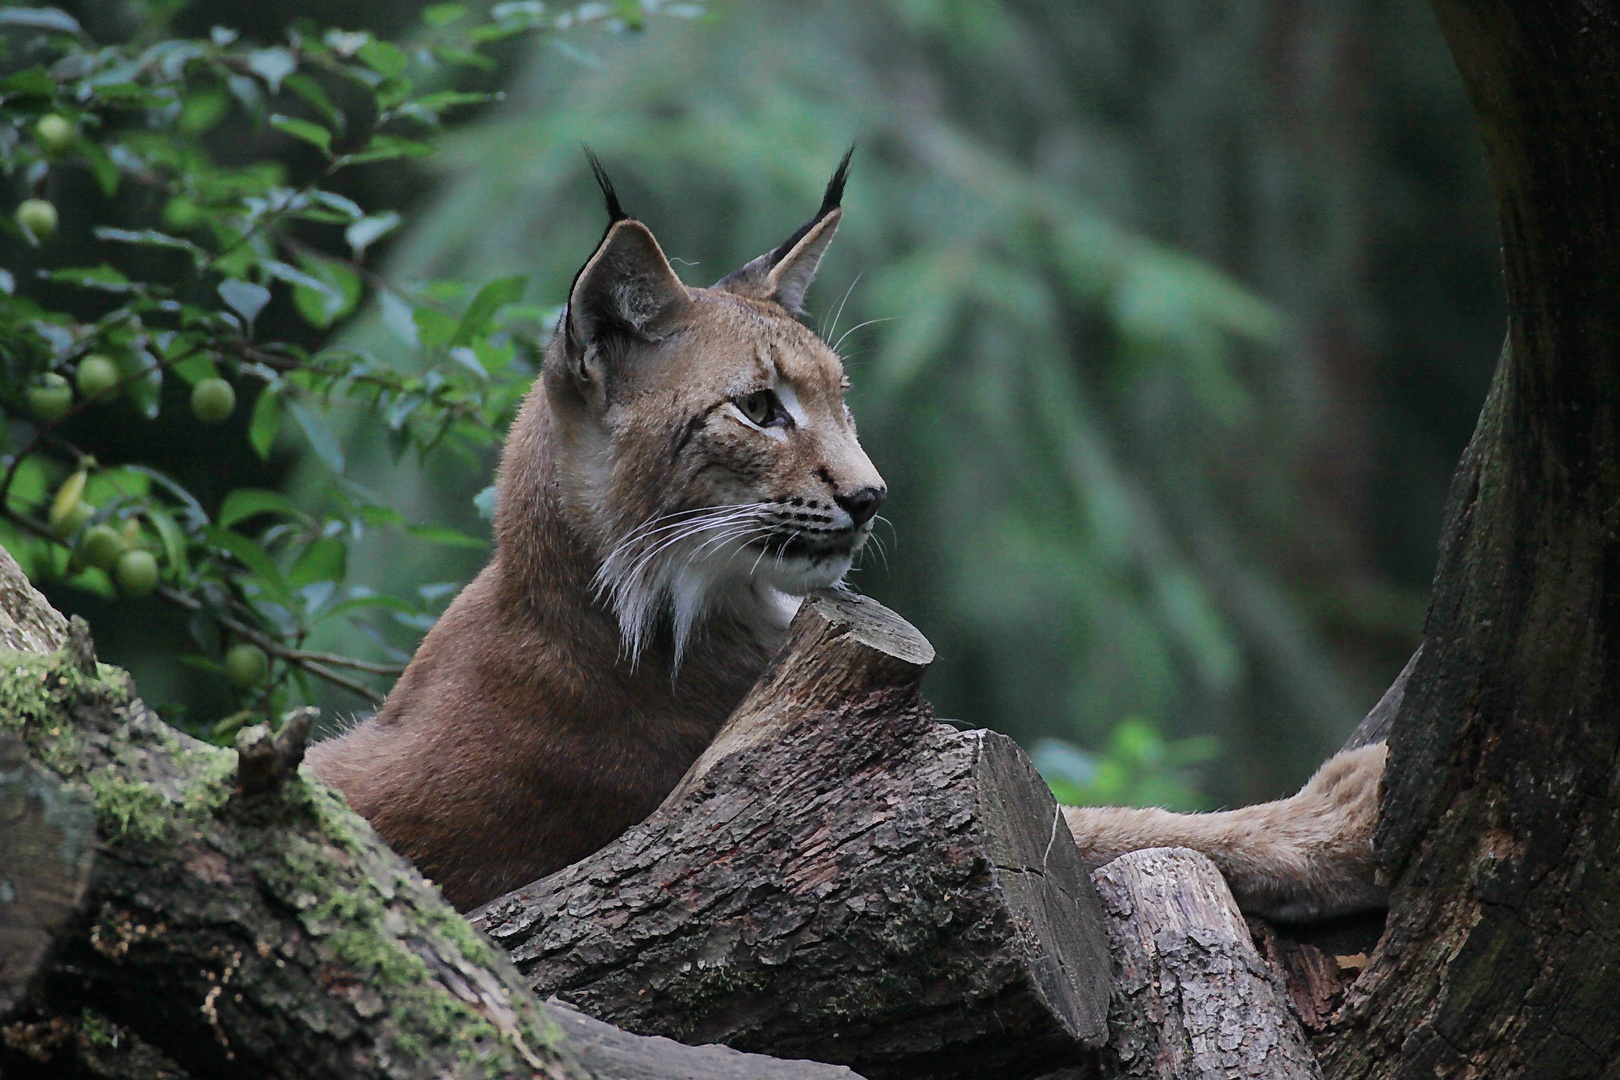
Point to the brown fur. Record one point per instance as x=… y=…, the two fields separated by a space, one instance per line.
x=568 y=687
x=524 y=734
x=1309 y=856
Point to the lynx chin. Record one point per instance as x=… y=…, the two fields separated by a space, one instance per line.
x=683 y=471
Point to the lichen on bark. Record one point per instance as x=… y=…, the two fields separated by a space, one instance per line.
x=269 y=933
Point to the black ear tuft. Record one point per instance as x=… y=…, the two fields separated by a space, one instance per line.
x=831 y=200
x=615 y=211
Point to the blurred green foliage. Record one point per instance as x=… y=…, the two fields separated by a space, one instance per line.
x=1124 y=482
x=1136 y=767
x=195 y=247
x=1129 y=294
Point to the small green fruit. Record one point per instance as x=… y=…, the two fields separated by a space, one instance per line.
x=103 y=546
x=50 y=397
x=97 y=376
x=246 y=666
x=69 y=511
x=212 y=400
x=55 y=133
x=37 y=217
x=71 y=520
x=136 y=573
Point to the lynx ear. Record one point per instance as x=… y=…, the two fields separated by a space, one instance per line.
x=627 y=287
x=784 y=273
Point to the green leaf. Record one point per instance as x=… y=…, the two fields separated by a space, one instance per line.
x=34 y=82
x=205 y=106
x=380 y=516
x=272 y=65
x=194 y=369
x=101 y=277
x=443 y=14
x=40 y=19
x=245 y=503
x=252 y=556
x=492 y=297
x=327 y=559
x=338 y=292
x=244 y=297
x=391 y=92
x=150 y=237
x=145 y=391
x=320 y=437
x=365 y=232
x=438 y=534
x=387 y=148
x=265 y=422
x=303 y=129
x=174 y=541
x=307 y=88
x=433 y=327
x=383 y=57
x=101 y=166
x=371 y=601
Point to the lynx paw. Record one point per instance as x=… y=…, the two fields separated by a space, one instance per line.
x=1316 y=859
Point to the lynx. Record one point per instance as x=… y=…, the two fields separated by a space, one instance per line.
x=683 y=471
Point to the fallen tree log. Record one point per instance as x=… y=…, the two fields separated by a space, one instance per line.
x=240 y=921
x=840 y=877
x=1192 y=998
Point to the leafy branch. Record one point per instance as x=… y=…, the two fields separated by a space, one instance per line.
x=199 y=250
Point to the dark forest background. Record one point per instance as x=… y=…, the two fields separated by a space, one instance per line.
x=1167 y=323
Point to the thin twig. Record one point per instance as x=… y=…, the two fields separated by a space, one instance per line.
x=315 y=663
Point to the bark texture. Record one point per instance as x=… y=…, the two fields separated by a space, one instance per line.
x=1192 y=998
x=1500 y=827
x=839 y=878
x=240 y=921
x=47 y=847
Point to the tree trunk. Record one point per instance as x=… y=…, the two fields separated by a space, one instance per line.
x=240 y=921
x=1192 y=999
x=1500 y=828
x=840 y=877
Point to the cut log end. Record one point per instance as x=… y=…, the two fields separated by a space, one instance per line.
x=872 y=625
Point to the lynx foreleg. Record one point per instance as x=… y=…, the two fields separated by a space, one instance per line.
x=1309 y=856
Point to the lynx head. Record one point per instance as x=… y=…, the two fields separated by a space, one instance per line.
x=703 y=443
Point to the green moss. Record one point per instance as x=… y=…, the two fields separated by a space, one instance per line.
x=131 y=809
x=459 y=932
x=97 y=1030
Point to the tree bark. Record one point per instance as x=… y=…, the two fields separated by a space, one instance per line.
x=1500 y=827
x=240 y=921
x=1192 y=999
x=841 y=878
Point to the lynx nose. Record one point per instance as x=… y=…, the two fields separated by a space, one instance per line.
x=861 y=505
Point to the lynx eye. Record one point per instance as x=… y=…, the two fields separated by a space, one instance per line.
x=761 y=408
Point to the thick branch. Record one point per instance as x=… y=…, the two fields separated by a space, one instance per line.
x=840 y=878
x=1501 y=817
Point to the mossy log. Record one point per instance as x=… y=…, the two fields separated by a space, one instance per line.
x=241 y=922
x=840 y=877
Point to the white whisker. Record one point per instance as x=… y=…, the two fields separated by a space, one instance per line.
x=840 y=312
x=854 y=328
